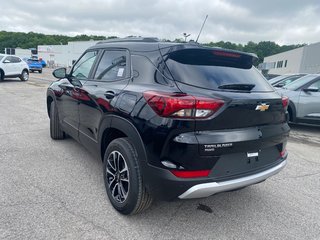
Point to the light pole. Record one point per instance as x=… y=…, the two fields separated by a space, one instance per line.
x=185 y=36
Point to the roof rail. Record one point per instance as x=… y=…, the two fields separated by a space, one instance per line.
x=130 y=39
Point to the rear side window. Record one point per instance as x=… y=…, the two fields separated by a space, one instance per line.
x=112 y=66
x=213 y=69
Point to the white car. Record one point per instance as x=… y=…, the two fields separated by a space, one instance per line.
x=13 y=66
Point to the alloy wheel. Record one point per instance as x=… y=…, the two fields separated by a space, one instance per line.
x=25 y=75
x=117 y=176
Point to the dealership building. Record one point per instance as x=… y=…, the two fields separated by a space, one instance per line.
x=55 y=55
x=300 y=60
x=63 y=55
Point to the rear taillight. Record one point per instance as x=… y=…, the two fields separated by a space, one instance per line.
x=285 y=102
x=190 y=174
x=181 y=105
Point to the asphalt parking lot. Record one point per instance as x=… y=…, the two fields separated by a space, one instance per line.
x=54 y=189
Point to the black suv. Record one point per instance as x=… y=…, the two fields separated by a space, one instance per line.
x=170 y=120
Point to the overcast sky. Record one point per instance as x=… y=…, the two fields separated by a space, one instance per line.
x=239 y=21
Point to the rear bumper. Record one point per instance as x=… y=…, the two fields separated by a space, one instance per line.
x=207 y=189
x=162 y=184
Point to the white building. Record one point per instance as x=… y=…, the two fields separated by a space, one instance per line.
x=23 y=53
x=63 y=55
x=300 y=60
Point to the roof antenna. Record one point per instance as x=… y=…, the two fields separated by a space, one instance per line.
x=202 y=27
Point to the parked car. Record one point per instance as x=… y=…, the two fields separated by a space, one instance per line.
x=271 y=76
x=34 y=65
x=280 y=81
x=304 y=95
x=43 y=62
x=170 y=120
x=13 y=66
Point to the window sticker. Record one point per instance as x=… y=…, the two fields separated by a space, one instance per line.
x=120 y=72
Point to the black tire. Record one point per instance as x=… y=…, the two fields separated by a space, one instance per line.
x=40 y=71
x=134 y=198
x=24 y=75
x=55 y=129
x=31 y=71
x=290 y=115
x=1 y=75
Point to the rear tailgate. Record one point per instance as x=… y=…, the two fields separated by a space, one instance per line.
x=249 y=131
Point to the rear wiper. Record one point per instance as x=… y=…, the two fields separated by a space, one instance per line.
x=242 y=87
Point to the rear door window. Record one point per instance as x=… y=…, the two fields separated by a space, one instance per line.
x=112 y=66
x=212 y=69
x=16 y=60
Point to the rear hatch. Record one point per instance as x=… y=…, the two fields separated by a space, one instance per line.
x=252 y=121
x=230 y=76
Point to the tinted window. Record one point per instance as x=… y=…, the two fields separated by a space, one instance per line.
x=112 y=66
x=315 y=85
x=209 y=69
x=146 y=71
x=33 y=61
x=16 y=59
x=9 y=58
x=83 y=67
x=287 y=80
x=277 y=79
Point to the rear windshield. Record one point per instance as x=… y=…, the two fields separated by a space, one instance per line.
x=213 y=69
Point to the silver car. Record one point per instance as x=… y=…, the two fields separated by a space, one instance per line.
x=304 y=97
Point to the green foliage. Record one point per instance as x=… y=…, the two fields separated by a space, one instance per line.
x=32 y=40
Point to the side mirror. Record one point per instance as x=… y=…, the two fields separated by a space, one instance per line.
x=280 y=85
x=311 y=89
x=6 y=61
x=60 y=73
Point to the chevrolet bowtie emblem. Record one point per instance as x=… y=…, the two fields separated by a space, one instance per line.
x=262 y=107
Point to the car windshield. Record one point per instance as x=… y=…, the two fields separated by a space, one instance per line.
x=1 y=57
x=300 y=82
x=277 y=79
x=287 y=80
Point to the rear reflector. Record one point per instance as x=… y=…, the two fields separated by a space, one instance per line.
x=190 y=174
x=181 y=105
x=283 y=153
x=285 y=102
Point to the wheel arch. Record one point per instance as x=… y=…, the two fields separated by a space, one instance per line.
x=120 y=127
x=50 y=99
x=3 y=73
x=292 y=111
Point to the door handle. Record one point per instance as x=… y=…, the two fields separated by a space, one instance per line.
x=109 y=94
